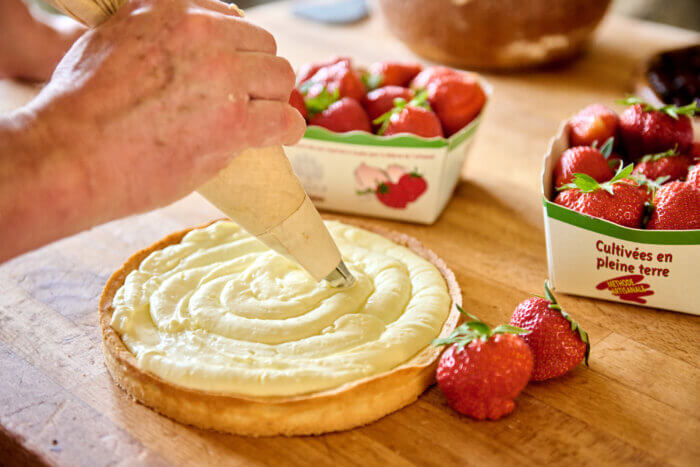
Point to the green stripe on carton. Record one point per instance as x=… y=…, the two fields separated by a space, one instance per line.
x=658 y=237
x=401 y=141
x=463 y=134
x=368 y=139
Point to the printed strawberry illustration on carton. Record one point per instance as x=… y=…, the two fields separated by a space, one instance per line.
x=394 y=187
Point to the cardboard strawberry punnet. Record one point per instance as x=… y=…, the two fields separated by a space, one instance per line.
x=360 y=173
x=594 y=257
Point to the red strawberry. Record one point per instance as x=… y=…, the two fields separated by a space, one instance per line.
x=392 y=195
x=646 y=129
x=394 y=73
x=414 y=120
x=456 y=100
x=620 y=200
x=557 y=342
x=412 y=117
x=341 y=116
x=484 y=369
x=380 y=101
x=413 y=184
x=296 y=100
x=426 y=76
x=307 y=70
x=581 y=159
x=667 y=164
x=340 y=77
x=694 y=175
x=676 y=207
x=695 y=151
x=595 y=123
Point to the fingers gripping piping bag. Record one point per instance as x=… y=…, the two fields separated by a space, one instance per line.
x=258 y=190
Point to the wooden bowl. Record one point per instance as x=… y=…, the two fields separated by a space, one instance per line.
x=494 y=34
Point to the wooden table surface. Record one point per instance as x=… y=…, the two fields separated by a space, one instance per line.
x=638 y=403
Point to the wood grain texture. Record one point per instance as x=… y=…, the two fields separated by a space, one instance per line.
x=637 y=404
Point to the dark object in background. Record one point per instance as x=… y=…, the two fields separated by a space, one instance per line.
x=674 y=75
x=503 y=34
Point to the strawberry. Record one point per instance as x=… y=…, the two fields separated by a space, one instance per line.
x=595 y=123
x=694 y=175
x=425 y=77
x=413 y=184
x=676 y=207
x=456 y=99
x=667 y=164
x=392 y=73
x=581 y=159
x=483 y=370
x=416 y=120
x=410 y=117
x=620 y=200
x=646 y=129
x=695 y=151
x=392 y=195
x=296 y=100
x=341 y=116
x=557 y=342
x=380 y=101
x=307 y=70
x=340 y=77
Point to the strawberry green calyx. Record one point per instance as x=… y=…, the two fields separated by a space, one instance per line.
x=554 y=305
x=607 y=147
x=420 y=100
x=650 y=185
x=671 y=110
x=383 y=119
x=655 y=157
x=588 y=184
x=321 y=102
x=371 y=81
x=415 y=174
x=475 y=329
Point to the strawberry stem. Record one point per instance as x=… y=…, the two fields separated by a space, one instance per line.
x=671 y=110
x=371 y=81
x=475 y=329
x=588 y=184
x=606 y=148
x=321 y=102
x=660 y=155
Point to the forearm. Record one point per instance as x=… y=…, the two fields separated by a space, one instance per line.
x=44 y=194
x=32 y=41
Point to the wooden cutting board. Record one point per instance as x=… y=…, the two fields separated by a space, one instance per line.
x=638 y=403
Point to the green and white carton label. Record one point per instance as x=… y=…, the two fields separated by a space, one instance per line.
x=347 y=172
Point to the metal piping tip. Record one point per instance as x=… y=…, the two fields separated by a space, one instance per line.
x=340 y=276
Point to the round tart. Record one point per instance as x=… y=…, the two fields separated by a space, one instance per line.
x=203 y=328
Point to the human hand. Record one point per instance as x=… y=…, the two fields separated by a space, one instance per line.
x=162 y=95
x=141 y=110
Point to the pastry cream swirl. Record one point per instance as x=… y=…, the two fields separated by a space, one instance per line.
x=221 y=312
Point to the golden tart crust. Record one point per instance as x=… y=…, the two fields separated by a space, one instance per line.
x=347 y=406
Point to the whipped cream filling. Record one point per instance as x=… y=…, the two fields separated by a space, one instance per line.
x=221 y=312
